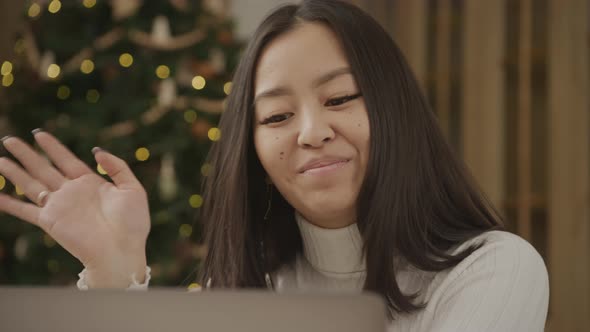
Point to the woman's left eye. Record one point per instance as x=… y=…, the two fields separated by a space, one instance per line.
x=341 y=100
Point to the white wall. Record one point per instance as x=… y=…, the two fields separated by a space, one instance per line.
x=249 y=13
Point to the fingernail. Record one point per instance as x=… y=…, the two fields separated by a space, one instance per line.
x=5 y=138
x=36 y=131
x=96 y=149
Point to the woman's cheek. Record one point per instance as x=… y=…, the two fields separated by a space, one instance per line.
x=278 y=149
x=271 y=151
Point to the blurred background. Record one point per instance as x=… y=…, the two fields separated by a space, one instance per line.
x=508 y=79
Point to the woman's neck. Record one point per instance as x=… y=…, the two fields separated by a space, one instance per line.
x=332 y=251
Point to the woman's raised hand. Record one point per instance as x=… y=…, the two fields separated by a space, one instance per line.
x=105 y=225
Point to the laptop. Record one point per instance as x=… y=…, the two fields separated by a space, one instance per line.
x=167 y=310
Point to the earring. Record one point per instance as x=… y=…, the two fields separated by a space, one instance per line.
x=269 y=194
x=267 y=278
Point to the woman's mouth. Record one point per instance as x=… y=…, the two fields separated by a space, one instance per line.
x=327 y=168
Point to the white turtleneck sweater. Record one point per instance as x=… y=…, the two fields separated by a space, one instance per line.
x=503 y=286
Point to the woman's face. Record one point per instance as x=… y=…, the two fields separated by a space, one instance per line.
x=311 y=129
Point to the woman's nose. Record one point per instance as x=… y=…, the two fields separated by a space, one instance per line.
x=315 y=129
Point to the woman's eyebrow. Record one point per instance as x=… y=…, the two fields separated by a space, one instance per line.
x=274 y=92
x=327 y=77
x=323 y=79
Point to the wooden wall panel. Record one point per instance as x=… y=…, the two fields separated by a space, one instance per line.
x=410 y=32
x=524 y=145
x=482 y=122
x=442 y=70
x=569 y=165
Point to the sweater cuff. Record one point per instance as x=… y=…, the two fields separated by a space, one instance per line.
x=83 y=285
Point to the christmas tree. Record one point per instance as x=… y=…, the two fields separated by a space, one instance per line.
x=145 y=80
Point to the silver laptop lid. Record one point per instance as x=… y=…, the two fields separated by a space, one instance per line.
x=163 y=309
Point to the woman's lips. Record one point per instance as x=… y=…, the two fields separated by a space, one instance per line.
x=326 y=168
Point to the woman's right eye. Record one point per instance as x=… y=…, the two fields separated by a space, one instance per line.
x=276 y=118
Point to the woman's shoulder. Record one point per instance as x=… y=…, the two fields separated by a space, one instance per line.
x=499 y=244
x=500 y=250
x=503 y=258
x=492 y=285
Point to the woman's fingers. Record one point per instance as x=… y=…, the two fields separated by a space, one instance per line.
x=24 y=211
x=117 y=169
x=38 y=166
x=30 y=186
x=62 y=157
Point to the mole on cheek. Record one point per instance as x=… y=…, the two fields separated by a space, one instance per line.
x=277 y=137
x=359 y=125
x=282 y=153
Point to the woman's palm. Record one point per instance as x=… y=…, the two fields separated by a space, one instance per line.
x=88 y=215
x=97 y=221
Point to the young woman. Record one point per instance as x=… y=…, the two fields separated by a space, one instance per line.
x=331 y=173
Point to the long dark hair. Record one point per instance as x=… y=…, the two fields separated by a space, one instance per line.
x=417 y=200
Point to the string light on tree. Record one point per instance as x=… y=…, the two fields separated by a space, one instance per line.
x=6 y=68
x=54 y=6
x=7 y=80
x=126 y=60
x=34 y=10
x=53 y=71
x=63 y=92
x=185 y=230
x=227 y=88
x=19 y=191
x=142 y=154
x=92 y=96
x=195 y=201
x=194 y=285
x=199 y=82
x=89 y=3
x=163 y=71
x=214 y=134
x=87 y=66
x=100 y=170
x=190 y=116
